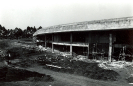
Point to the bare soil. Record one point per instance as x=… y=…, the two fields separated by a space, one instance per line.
x=28 y=63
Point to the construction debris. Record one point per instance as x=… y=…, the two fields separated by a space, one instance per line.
x=80 y=58
x=116 y=65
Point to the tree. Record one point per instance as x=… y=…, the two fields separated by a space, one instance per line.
x=34 y=29
x=3 y=32
x=39 y=28
x=18 y=32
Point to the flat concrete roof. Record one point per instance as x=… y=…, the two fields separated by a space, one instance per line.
x=105 y=24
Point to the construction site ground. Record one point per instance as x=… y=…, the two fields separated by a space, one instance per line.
x=66 y=72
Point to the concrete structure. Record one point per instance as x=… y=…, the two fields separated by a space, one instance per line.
x=110 y=38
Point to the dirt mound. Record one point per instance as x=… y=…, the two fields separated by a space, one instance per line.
x=91 y=70
x=8 y=74
x=64 y=64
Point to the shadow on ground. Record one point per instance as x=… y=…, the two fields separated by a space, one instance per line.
x=8 y=74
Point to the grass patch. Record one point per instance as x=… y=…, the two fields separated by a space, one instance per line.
x=24 y=63
x=19 y=52
x=26 y=39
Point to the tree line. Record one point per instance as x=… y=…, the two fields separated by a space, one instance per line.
x=17 y=32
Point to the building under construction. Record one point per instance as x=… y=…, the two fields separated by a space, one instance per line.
x=98 y=39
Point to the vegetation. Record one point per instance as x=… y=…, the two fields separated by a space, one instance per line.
x=4 y=44
x=17 y=32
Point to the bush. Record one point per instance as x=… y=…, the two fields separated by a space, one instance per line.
x=18 y=52
x=4 y=44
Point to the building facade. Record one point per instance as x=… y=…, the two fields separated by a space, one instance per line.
x=111 y=38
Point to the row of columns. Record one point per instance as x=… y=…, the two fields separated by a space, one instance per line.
x=110 y=45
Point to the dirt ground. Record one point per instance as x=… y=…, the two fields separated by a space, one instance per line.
x=60 y=79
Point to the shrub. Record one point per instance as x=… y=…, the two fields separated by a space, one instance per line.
x=4 y=44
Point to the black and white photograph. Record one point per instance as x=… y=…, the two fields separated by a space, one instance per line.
x=66 y=43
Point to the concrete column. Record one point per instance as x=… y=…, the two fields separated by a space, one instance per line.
x=110 y=48
x=88 y=50
x=71 y=49
x=71 y=43
x=52 y=42
x=52 y=37
x=45 y=42
x=52 y=47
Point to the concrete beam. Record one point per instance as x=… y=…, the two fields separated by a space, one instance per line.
x=68 y=44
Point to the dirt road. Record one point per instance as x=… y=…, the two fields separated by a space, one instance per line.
x=63 y=79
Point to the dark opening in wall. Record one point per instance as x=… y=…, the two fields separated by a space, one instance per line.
x=128 y=52
x=65 y=37
x=124 y=37
x=100 y=49
x=41 y=37
x=49 y=45
x=49 y=37
x=79 y=37
x=62 y=48
x=80 y=50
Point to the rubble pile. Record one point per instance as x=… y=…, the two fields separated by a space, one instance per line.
x=80 y=58
x=61 y=63
x=90 y=70
x=116 y=64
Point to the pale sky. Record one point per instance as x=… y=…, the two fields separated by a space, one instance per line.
x=23 y=13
